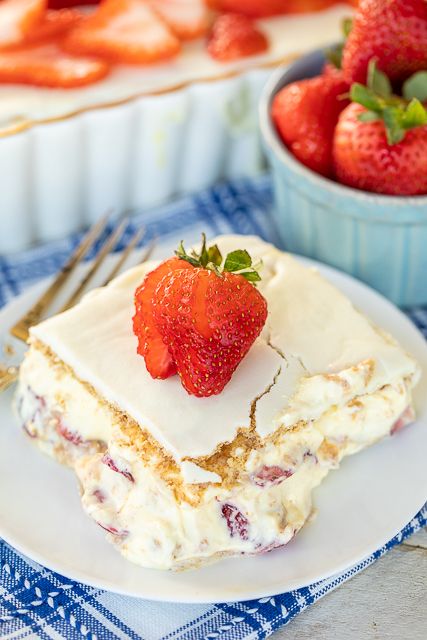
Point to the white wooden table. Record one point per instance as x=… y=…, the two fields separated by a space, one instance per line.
x=387 y=601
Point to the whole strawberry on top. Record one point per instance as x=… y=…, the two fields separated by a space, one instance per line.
x=392 y=31
x=198 y=315
x=380 y=141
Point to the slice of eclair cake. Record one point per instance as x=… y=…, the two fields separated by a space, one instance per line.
x=201 y=400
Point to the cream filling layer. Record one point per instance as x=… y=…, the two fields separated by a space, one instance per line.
x=289 y=36
x=316 y=351
x=154 y=530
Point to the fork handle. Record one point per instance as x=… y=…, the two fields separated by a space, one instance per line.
x=8 y=377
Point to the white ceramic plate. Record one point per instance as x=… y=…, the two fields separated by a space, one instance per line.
x=360 y=507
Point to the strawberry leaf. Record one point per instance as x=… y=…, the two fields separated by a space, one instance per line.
x=415 y=115
x=416 y=87
x=237 y=260
x=392 y=117
x=334 y=55
x=181 y=253
x=204 y=256
x=251 y=276
x=214 y=255
x=377 y=81
x=369 y=116
x=346 y=26
x=366 y=97
x=398 y=114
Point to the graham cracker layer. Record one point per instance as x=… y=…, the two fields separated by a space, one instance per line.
x=228 y=460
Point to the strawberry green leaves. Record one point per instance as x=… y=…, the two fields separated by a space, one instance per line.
x=241 y=262
x=399 y=114
x=378 y=82
x=334 y=54
x=238 y=262
x=207 y=258
x=416 y=87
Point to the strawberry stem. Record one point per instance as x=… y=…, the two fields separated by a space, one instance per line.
x=238 y=262
x=398 y=114
x=334 y=54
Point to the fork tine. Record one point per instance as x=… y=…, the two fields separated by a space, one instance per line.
x=149 y=250
x=106 y=248
x=8 y=377
x=34 y=315
x=120 y=262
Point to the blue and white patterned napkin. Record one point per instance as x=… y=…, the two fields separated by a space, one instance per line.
x=38 y=603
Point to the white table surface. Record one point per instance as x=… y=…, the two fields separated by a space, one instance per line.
x=387 y=601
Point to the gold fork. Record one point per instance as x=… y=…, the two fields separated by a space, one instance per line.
x=20 y=330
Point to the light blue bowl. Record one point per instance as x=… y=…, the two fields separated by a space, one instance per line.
x=381 y=240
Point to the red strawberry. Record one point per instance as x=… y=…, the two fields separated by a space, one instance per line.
x=235 y=36
x=187 y=18
x=18 y=18
x=124 y=31
x=305 y=114
x=151 y=346
x=207 y=315
x=365 y=160
x=265 y=8
x=380 y=141
x=392 y=31
x=47 y=66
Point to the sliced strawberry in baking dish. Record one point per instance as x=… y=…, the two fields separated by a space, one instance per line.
x=251 y=8
x=235 y=36
x=47 y=66
x=54 y=24
x=18 y=18
x=63 y=4
x=266 y=8
x=126 y=31
x=187 y=18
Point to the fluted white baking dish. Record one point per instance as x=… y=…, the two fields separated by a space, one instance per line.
x=68 y=156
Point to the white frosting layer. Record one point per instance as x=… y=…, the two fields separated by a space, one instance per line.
x=288 y=36
x=312 y=331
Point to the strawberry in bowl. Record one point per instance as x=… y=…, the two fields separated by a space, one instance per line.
x=380 y=139
x=347 y=141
